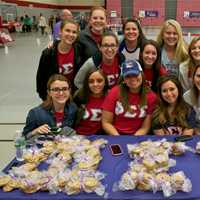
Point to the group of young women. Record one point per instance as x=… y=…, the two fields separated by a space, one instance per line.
x=96 y=84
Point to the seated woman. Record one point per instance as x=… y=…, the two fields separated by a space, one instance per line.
x=108 y=59
x=128 y=107
x=89 y=100
x=192 y=97
x=173 y=115
x=56 y=111
x=149 y=59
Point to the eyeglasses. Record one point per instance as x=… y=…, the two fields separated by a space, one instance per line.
x=57 y=89
x=106 y=46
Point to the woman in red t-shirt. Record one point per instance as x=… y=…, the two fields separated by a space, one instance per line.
x=149 y=59
x=128 y=107
x=89 y=100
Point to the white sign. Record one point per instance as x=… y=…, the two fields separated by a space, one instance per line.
x=113 y=13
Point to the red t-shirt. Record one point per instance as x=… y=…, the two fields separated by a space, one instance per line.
x=91 y=122
x=126 y=122
x=59 y=116
x=112 y=72
x=148 y=73
x=66 y=64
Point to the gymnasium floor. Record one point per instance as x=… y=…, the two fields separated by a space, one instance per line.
x=17 y=86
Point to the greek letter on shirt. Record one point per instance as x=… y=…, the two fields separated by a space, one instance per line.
x=93 y=114
x=112 y=79
x=66 y=68
x=136 y=110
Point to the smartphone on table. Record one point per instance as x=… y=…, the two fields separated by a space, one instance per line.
x=116 y=149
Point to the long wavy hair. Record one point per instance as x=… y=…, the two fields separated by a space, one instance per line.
x=141 y=36
x=181 y=111
x=194 y=87
x=156 y=65
x=81 y=97
x=191 y=62
x=181 y=53
x=48 y=103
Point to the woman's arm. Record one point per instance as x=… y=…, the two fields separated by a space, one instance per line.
x=80 y=76
x=107 y=119
x=187 y=131
x=159 y=132
x=145 y=126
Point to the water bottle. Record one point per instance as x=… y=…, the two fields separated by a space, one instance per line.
x=20 y=145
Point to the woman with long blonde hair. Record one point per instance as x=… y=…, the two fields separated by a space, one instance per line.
x=174 y=48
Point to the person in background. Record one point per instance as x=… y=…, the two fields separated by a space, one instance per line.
x=108 y=59
x=173 y=115
x=133 y=38
x=91 y=36
x=42 y=23
x=187 y=68
x=173 y=47
x=51 y=22
x=192 y=96
x=89 y=100
x=65 y=15
x=82 y=22
x=128 y=106
x=149 y=58
x=57 y=110
x=63 y=57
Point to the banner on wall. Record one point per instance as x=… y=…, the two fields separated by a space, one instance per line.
x=148 y=13
x=191 y=14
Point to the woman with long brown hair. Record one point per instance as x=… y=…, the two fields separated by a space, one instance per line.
x=173 y=115
x=128 y=106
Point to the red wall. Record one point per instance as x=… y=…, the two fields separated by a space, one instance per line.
x=113 y=5
x=188 y=5
x=153 y=5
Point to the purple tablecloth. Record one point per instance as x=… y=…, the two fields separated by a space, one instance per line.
x=114 y=166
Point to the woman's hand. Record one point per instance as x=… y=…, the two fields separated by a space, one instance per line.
x=43 y=129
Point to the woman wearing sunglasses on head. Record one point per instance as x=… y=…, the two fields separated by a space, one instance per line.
x=128 y=106
x=56 y=111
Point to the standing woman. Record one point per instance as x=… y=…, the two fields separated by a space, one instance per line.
x=89 y=99
x=174 y=50
x=62 y=58
x=128 y=107
x=192 y=97
x=187 y=68
x=150 y=61
x=173 y=115
x=90 y=37
x=107 y=58
x=57 y=110
x=133 y=38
